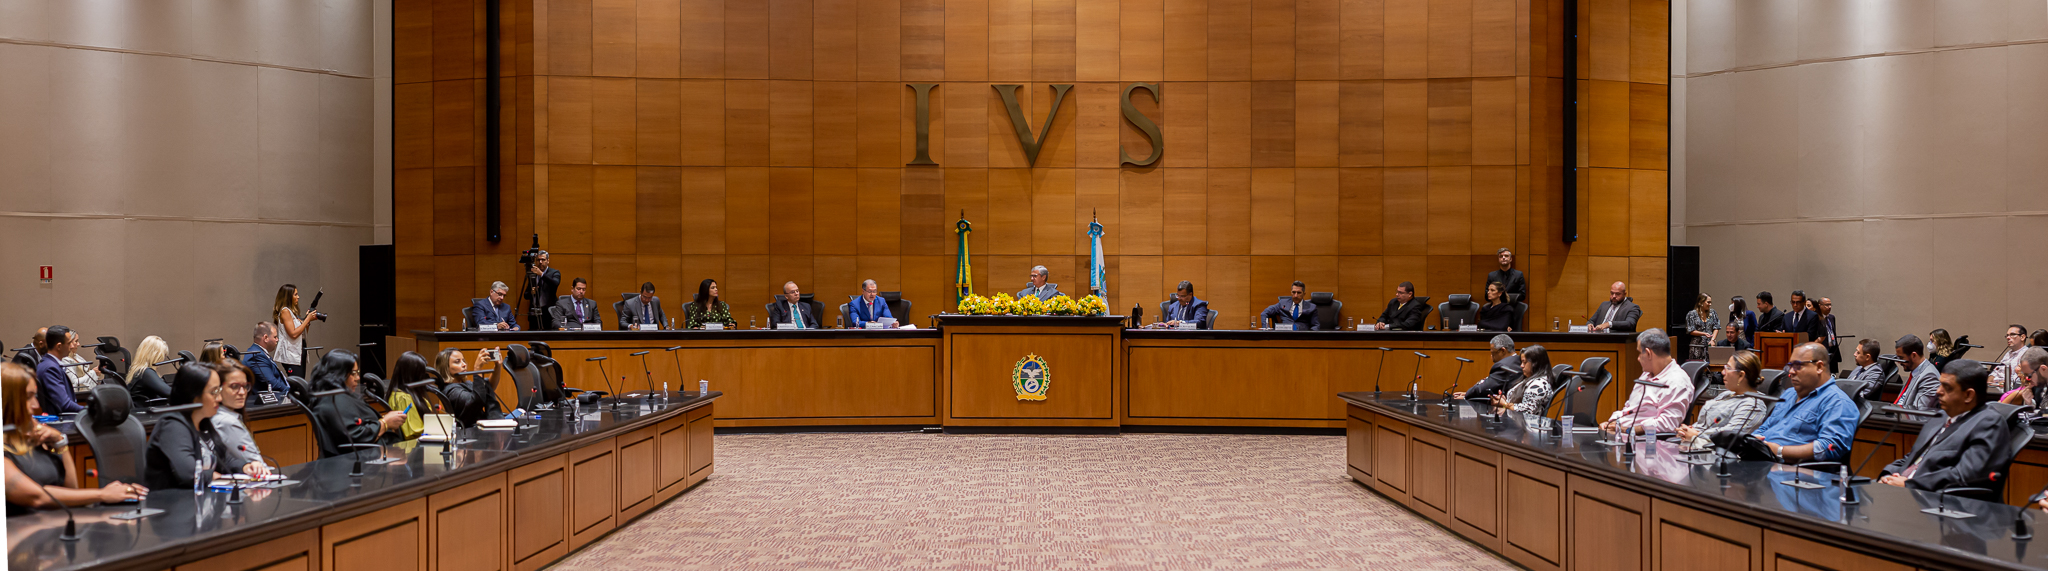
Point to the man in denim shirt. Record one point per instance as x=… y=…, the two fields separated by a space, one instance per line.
x=1815 y=420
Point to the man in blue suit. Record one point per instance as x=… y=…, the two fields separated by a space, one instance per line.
x=867 y=307
x=257 y=358
x=1185 y=307
x=1295 y=313
x=53 y=384
x=493 y=310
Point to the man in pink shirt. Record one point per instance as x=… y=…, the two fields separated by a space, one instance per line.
x=1653 y=409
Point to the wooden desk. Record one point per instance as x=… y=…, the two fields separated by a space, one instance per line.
x=509 y=500
x=1286 y=378
x=770 y=378
x=1081 y=354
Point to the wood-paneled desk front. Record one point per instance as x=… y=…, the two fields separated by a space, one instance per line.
x=1285 y=378
x=1079 y=356
x=1568 y=502
x=512 y=500
x=814 y=377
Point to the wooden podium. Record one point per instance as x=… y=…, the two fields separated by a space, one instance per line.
x=1080 y=357
x=1776 y=348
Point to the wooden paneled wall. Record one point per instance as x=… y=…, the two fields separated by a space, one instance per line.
x=1351 y=144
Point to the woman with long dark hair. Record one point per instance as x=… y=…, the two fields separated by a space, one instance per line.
x=1532 y=395
x=345 y=418
x=408 y=369
x=1701 y=324
x=291 y=331
x=707 y=308
x=183 y=447
x=1497 y=314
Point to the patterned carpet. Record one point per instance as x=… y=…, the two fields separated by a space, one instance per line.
x=1136 y=501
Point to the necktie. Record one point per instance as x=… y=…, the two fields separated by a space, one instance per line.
x=646 y=313
x=579 y=310
x=796 y=316
x=1296 y=320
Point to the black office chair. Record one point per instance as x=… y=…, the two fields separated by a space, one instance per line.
x=555 y=314
x=302 y=395
x=619 y=314
x=1457 y=310
x=1559 y=382
x=525 y=376
x=469 y=315
x=1521 y=314
x=1698 y=373
x=1584 y=404
x=119 y=444
x=898 y=307
x=1768 y=381
x=844 y=312
x=376 y=391
x=1426 y=309
x=1329 y=311
x=110 y=348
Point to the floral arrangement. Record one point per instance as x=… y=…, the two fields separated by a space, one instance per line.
x=1003 y=304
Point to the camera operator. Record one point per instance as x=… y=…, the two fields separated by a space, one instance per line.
x=541 y=283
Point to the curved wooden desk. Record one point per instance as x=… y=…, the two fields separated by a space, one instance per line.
x=1569 y=503
x=511 y=499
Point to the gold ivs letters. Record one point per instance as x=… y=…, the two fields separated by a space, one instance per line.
x=1033 y=142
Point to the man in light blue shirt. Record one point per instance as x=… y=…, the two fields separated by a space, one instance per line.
x=1815 y=420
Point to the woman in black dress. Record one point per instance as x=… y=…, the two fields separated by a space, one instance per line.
x=345 y=417
x=1497 y=314
x=183 y=447
x=36 y=458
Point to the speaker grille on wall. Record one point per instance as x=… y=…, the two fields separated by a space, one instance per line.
x=379 y=286
x=1682 y=279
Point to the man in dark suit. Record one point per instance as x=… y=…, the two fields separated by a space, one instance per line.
x=577 y=307
x=1769 y=319
x=544 y=283
x=257 y=358
x=1826 y=308
x=1507 y=275
x=1403 y=312
x=492 y=310
x=1802 y=320
x=792 y=309
x=1185 y=307
x=1507 y=370
x=1923 y=381
x=53 y=383
x=1616 y=315
x=643 y=309
x=1964 y=447
x=1295 y=313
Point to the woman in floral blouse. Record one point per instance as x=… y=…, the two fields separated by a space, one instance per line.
x=707 y=308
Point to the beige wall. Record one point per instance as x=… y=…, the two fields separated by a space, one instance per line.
x=178 y=160
x=1891 y=155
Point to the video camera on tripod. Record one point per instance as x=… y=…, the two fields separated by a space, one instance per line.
x=529 y=286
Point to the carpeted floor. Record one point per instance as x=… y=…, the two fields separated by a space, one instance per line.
x=1136 y=501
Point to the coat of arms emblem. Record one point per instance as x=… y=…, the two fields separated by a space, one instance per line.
x=1031 y=377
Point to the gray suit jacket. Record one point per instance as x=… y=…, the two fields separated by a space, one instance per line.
x=590 y=313
x=1051 y=290
x=1624 y=318
x=1920 y=387
x=1967 y=455
x=633 y=313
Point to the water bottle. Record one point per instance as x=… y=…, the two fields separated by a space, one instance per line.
x=1553 y=325
x=703 y=387
x=664 y=392
x=199 y=480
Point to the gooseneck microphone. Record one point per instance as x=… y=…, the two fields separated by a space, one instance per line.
x=1454 y=380
x=70 y=523
x=607 y=377
x=644 y=368
x=162 y=363
x=1382 y=374
x=1415 y=383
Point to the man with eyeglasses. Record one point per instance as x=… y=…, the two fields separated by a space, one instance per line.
x=2002 y=378
x=1814 y=420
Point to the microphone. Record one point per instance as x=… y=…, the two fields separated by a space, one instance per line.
x=90 y=346
x=1894 y=409
x=162 y=363
x=1970 y=345
x=606 y=376
x=201 y=340
x=679 y=372
x=78 y=364
x=1454 y=384
x=1383 y=372
x=1761 y=397
x=266 y=457
x=1416 y=380
x=1892 y=358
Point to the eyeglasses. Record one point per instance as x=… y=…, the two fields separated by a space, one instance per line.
x=1795 y=365
x=2015 y=335
x=237 y=388
x=216 y=390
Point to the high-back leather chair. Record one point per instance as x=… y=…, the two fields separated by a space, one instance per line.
x=119 y=445
x=525 y=377
x=110 y=348
x=899 y=308
x=619 y=314
x=1329 y=311
x=1696 y=371
x=1521 y=314
x=1583 y=402
x=1768 y=381
x=1457 y=310
x=469 y=315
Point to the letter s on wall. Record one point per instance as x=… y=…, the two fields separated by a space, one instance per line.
x=1144 y=124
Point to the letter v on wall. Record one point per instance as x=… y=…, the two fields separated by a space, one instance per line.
x=1024 y=137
